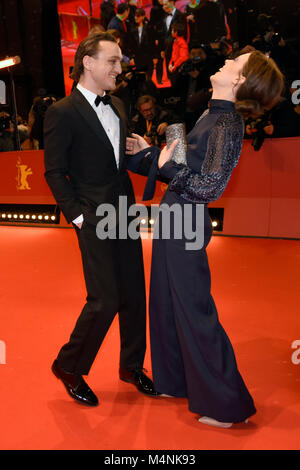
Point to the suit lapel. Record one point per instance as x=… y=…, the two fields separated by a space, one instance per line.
x=90 y=117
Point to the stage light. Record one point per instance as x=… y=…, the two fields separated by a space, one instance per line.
x=214 y=223
x=9 y=62
x=33 y=214
x=143 y=221
x=151 y=221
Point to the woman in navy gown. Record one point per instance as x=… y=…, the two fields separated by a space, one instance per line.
x=191 y=354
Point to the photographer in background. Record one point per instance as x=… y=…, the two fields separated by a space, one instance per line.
x=258 y=129
x=36 y=120
x=6 y=133
x=151 y=121
x=193 y=85
x=270 y=39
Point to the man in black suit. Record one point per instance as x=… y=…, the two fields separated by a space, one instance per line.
x=85 y=161
x=140 y=41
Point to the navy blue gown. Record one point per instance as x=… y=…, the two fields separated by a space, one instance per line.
x=191 y=353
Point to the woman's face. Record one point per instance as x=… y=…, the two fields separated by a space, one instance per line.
x=230 y=74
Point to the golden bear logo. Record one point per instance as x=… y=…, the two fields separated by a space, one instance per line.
x=23 y=173
x=75 y=27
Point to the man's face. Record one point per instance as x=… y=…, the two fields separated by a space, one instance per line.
x=147 y=110
x=168 y=6
x=139 y=19
x=105 y=66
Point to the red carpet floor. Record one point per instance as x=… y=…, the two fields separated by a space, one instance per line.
x=256 y=288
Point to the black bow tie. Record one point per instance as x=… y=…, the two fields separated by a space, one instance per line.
x=106 y=99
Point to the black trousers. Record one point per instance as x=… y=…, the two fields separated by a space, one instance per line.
x=114 y=277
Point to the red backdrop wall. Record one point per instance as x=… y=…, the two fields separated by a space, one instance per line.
x=261 y=199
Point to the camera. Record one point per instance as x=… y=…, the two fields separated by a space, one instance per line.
x=259 y=136
x=192 y=64
x=42 y=104
x=4 y=121
x=138 y=73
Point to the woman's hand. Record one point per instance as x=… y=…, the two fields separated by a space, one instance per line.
x=161 y=129
x=135 y=144
x=167 y=153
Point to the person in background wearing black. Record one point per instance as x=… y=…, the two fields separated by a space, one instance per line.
x=140 y=41
x=193 y=85
x=36 y=117
x=7 y=143
x=121 y=24
x=107 y=12
x=157 y=35
x=132 y=4
x=209 y=21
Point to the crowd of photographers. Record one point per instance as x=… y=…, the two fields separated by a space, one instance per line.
x=168 y=57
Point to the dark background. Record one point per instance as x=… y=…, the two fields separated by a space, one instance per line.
x=30 y=29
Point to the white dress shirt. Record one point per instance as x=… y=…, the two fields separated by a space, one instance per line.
x=110 y=123
x=169 y=18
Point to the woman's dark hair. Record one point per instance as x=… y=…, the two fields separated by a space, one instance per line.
x=88 y=46
x=179 y=28
x=262 y=88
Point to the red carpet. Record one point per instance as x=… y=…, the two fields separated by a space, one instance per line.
x=256 y=288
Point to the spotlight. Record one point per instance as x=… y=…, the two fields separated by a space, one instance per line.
x=151 y=221
x=217 y=218
x=34 y=214
x=143 y=221
x=9 y=62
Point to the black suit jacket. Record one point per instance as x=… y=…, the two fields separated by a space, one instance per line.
x=80 y=164
x=141 y=50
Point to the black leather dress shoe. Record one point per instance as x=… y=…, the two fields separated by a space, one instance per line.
x=140 y=380
x=76 y=387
